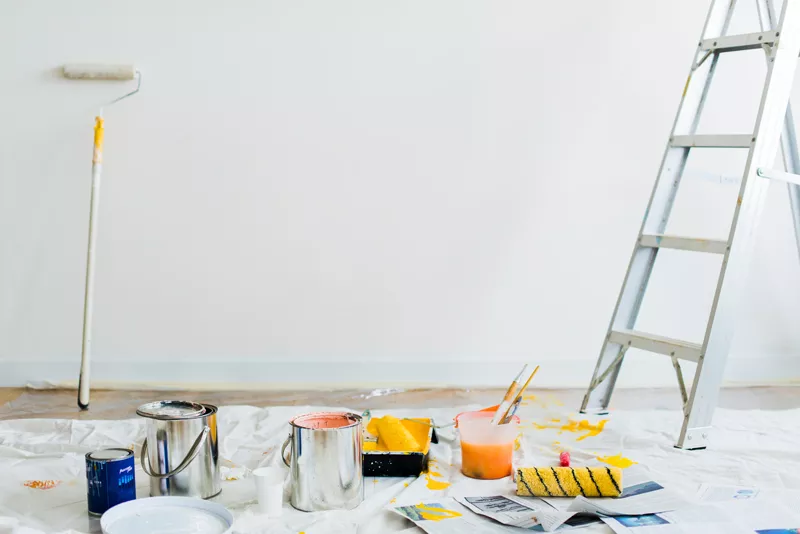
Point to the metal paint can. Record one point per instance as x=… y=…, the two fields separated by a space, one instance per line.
x=326 y=461
x=110 y=479
x=180 y=452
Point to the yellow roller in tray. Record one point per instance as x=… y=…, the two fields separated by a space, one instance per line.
x=395 y=436
x=401 y=449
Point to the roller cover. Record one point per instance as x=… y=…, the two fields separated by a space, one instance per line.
x=395 y=436
x=85 y=71
x=569 y=481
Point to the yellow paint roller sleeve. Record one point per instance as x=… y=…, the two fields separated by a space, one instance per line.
x=395 y=436
x=569 y=481
x=97 y=157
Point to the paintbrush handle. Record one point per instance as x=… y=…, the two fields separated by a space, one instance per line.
x=508 y=398
x=512 y=412
x=521 y=391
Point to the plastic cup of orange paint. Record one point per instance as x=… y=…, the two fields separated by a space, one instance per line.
x=486 y=449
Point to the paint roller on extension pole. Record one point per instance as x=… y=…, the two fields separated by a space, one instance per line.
x=95 y=72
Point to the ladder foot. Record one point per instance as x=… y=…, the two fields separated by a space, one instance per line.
x=690 y=448
x=593 y=412
x=694 y=438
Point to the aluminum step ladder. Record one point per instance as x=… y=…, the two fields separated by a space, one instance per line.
x=774 y=126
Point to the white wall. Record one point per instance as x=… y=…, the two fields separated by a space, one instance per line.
x=364 y=192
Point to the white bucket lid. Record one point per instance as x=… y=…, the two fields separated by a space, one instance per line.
x=171 y=409
x=167 y=515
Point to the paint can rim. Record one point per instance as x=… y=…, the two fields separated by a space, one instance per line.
x=126 y=453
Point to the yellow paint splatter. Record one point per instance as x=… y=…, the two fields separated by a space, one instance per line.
x=393 y=501
x=231 y=478
x=433 y=513
x=617 y=461
x=591 y=429
x=435 y=484
x=580 y=426
x=405 y=484
x=555 y=420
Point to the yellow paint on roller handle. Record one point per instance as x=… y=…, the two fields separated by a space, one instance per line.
x=98 y=140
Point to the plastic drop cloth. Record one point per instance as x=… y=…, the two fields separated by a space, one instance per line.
x=757 y=448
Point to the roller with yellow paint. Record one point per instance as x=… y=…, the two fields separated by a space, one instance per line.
x=394 y=435
x=569 y=481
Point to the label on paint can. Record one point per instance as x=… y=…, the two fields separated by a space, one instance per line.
x=110 y=479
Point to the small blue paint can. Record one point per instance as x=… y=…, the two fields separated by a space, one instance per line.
x=110 y=479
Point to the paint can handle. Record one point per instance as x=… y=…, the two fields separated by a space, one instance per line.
x=191 y=455
x=283 y=450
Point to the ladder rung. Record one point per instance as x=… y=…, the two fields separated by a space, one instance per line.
x=734 y=43
x=713 y=246
x=653 y=343
x=712 y=141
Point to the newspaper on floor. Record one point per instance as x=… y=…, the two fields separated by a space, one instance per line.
x=747 y=516
x=525 y=512
x=446 y=516
x=716 y=493
x=641 y=495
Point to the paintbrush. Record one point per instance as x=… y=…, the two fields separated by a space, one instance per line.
x=509 y=397
x=519 y=397
x=512 y=411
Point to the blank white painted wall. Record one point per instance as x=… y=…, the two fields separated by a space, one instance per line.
x=364 y=192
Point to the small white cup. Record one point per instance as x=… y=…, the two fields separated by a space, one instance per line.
x=269 y=489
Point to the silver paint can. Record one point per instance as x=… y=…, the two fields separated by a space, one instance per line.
x=180 y=451
x=325 y=463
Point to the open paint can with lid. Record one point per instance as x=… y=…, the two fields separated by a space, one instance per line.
x=180 y=452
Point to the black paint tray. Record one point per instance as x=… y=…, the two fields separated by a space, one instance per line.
x=399 y=464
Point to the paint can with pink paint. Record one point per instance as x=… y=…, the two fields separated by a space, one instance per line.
x=325 y=461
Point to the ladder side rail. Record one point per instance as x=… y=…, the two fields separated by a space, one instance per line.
x=735 y=264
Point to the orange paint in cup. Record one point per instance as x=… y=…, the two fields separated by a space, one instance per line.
x=486 y=449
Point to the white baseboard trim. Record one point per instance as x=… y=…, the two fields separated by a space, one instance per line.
x=639 y=371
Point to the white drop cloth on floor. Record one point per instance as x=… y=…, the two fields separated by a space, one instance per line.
x=758 y=448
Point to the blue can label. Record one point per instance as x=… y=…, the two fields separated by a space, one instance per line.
x=109 y=481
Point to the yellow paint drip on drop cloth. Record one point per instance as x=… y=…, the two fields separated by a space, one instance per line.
x=433 y=513
x=584 y=425
x=617 y=461
x=434 y=484
x=591 y=429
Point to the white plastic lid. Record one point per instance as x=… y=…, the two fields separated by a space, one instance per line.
x=167 y=515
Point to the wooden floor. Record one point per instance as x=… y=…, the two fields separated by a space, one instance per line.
x=20 y=403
